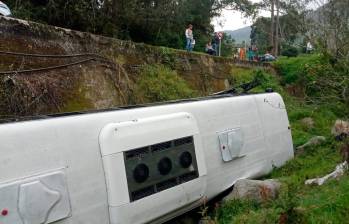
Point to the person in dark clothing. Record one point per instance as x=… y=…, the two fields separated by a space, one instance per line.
x=209 y=49
x=249 y=54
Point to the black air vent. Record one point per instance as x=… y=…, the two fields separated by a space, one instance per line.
x=183 y=141
x=161 y=146
x=137 y=153
x=185 y=159
x=164 y=166
x=188 y=176
x=141 y=173
x=142 y=193
x=160 y=166
x=166 y=184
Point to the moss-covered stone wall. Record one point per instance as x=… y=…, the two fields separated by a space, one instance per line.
x=95 y=83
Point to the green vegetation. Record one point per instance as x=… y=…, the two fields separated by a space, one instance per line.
x=290 y=52
x=298 y=203
x=159 y=83
x=320 y=79
x=240 y=75
x=157 y=22
x=228 y=48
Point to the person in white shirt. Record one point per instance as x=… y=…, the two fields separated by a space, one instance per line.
x=309 y=47
x=190 y=38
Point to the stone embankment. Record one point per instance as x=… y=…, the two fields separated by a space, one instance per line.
x=55 y=70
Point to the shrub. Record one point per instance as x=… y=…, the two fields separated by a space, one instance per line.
x=290 y=52
x=321 y=80
x=293 y=70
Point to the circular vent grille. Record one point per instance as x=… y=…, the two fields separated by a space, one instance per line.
x=185 y=159
x=141 y=173
x=165 y=166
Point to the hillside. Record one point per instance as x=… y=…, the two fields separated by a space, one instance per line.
x=309 y=116
x=85 y=60
x=297 y=202
x=240 y=35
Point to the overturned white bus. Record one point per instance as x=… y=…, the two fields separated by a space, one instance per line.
x=138 y=164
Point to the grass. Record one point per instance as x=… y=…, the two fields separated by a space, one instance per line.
x=295 y=68
x=328 y=204
x=159 y=83
x=298 y=203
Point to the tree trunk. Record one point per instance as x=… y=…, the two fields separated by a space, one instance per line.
x=276 y=45
x=272 y=27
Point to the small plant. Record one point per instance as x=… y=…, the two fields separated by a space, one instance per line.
x=204 y=208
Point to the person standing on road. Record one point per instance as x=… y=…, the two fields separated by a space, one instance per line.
x=190 y=37
x=242 y=54
x=250 y=54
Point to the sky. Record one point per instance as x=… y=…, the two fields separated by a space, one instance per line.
x=232 y=20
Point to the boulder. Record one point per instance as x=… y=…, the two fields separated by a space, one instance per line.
x=257 y=190
x=340 y=129
x=317 y=140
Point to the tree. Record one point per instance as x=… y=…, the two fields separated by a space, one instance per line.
x=272 y=27
x=287 y=29
x=157 y=22
x=329 y=27
x=277 y=25
x=228 y=46
x=260 y=34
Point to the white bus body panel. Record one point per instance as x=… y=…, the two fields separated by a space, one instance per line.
x=88 y=150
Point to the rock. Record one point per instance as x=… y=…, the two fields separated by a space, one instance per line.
x=308 y=122
x=254 y=190
x=317 y=140
x=339 y=171
x=340 y=129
